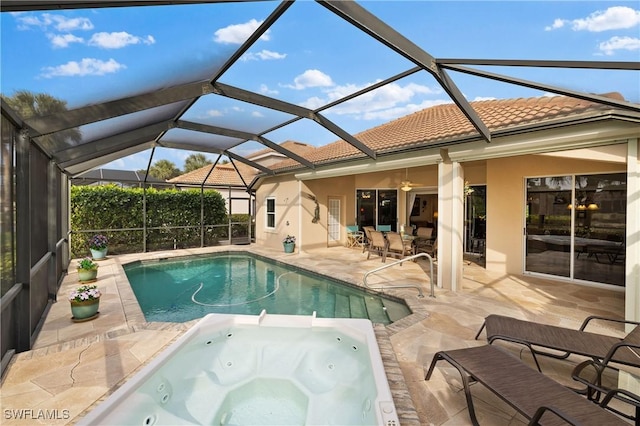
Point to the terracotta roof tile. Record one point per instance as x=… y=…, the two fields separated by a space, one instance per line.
x=222 y=175
x=446 y=122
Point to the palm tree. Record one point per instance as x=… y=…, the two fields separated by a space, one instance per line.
x=194 y=162
x=164 y=169
x=28 y=104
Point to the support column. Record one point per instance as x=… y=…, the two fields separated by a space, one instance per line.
x=632 y=268
x=23 y=241
x=450 y=222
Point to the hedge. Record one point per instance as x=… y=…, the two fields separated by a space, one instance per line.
x=106 y=208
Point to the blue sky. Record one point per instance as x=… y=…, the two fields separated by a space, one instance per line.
x=311 y=57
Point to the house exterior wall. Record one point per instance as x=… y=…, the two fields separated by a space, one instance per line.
x=295 y=210
x=506 y=196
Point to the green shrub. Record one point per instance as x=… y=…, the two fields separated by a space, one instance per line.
x=103 y=209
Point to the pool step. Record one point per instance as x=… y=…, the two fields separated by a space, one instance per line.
x=395 y=310
x=342 y=309
x=376 y=310
x=358 y=307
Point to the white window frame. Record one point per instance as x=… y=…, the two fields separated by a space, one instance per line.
x=270 y=213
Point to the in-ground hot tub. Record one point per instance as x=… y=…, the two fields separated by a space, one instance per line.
x=259 y=369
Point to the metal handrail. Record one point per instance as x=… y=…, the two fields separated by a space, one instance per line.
x=397 y=262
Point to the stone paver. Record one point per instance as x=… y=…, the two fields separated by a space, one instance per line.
x=73 y=366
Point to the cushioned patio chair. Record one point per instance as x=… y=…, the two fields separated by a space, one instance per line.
x=537 y=397
x=565 y=341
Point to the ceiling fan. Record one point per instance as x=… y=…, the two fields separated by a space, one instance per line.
x=406 y=185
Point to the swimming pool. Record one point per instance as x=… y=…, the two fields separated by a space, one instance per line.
x=260 y=370
x=186 y=288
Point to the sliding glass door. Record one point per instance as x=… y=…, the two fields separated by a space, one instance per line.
x=575 y=227
x=377 y=207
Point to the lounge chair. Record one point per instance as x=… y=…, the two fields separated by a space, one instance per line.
x=567 y=341
x=536 y=396
x=600 y=377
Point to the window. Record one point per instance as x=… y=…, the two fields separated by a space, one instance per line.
x=271 y=213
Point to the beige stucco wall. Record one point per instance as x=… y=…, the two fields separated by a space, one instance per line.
x=295 y=210
x=506 y=193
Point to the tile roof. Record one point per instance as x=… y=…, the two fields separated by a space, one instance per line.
x=445 y=122
x=434 y=125
x=223 y=175
x=296 y=147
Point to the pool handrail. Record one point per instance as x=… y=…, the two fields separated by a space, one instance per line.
x=397 y=262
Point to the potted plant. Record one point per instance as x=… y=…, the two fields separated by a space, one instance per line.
x=87 y=270
x=289 y=243
x=85 y=301
x=98 y=246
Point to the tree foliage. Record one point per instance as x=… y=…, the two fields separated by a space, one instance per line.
x=28 y=104
x=108 y=208
x=164 y=169
x=195 y=161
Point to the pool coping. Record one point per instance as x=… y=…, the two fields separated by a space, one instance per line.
x=135 y=319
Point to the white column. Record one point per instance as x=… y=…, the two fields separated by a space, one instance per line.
x=632 y=268
x=450 y=222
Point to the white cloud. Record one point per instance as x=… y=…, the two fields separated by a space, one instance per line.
x=264 y=89
x=558 y=23
x=117 y=40
x=610 y=46
x=64 y=40
x=87 y=66
x=483 y=98
x=387 y=102
x=58 y=22
x=238 y=33
x=257 y=114
x=310 y=78
x=614 y=18
x=401 y=111
x=214 y=113
x=263 y=55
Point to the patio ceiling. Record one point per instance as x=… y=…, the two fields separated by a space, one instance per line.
x=162 y=117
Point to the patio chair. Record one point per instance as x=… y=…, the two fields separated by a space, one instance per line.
x=427 y=246
x=537 y=397
x=367 y=237
x=565 y=341
x=384 y=228
x=355 y=237
x=398 y=246
x=378 y=245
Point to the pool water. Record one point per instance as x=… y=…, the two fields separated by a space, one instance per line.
x=186 y=288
